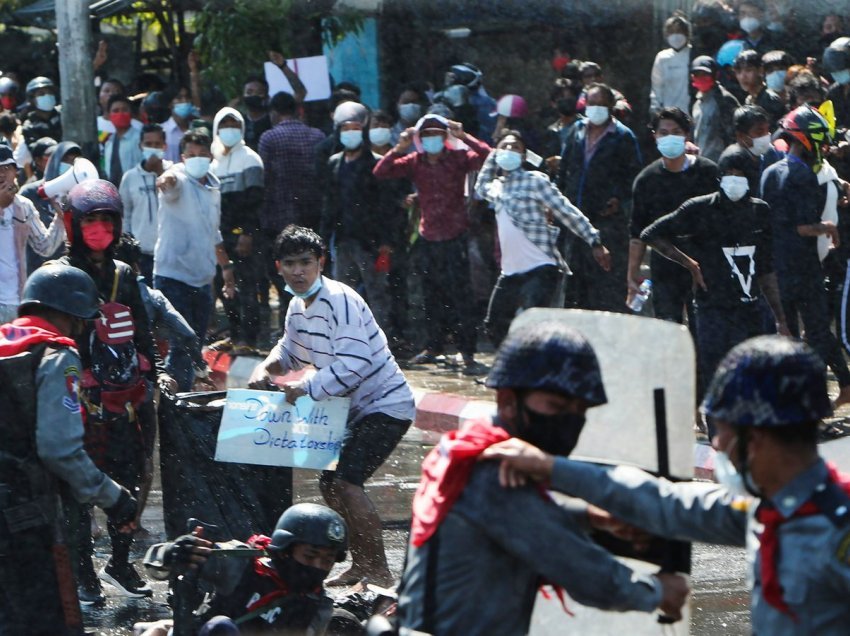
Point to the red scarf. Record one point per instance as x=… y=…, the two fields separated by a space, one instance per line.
x=772 y=519
x=263 y=568
x=23 y=333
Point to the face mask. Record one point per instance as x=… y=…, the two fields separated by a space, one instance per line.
x=255 y=102
x=703 y=84
x=45 y=102
x=230 y=136
x=775 y=80
x=433 y=145
x=748 y=25
x=671 y=146
x=734 y=187
x=148 y=152
x=409 y=112
x=351 y=139
x=776 y=27
x=379 y=136
x=98 y=235
x=508 y=159
x=299 y=577
x=64 y=167
x=597 y=115
x=567 y=106
x=184 y=109
x=314 y=288
x=197 y=167
x=760 y=145
x=677 y=40
x=842 y=76
x=555 y=434
x=120 y=120
x=728 y=476
x=9 y=103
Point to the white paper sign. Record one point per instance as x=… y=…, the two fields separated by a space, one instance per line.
x=312 y=71
x=261 y=427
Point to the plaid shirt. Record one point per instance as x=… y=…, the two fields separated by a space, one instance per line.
x=291 y=190
x=524 y=195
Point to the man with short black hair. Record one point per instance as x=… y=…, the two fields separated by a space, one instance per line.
x=749 y=70
x=712 y=110
x=255 y=96
x=752 y=133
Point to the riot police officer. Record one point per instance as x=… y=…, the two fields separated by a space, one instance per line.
x=478 y=553
x=267 y=585
x=41 y=452
x=766 y=399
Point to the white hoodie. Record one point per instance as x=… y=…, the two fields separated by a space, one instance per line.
x=240 y=168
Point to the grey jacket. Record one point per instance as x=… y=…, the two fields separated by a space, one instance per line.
x=814 y=565
x=492 y=550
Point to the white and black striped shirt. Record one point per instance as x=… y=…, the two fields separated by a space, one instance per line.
x=338 y=335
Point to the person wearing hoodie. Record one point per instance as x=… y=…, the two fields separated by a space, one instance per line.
x=240 y=172
x=61 y=159
x=189 y=243
x=138 y=194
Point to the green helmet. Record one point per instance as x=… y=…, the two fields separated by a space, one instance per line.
x=311 y=523
x=63 y=288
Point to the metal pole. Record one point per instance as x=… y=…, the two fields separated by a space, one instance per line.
x=76 y=75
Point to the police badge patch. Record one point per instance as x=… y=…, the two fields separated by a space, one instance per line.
x=72 y=386
x=335 y=531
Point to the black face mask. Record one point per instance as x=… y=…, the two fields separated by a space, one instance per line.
x=300 y=578
x=255 y=102
x=555 y=434
x=567 y=106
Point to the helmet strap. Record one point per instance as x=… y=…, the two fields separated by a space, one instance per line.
x=743 y=444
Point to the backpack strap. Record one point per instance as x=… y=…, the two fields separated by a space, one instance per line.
x=114 y=294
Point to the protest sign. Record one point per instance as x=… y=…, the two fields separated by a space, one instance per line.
x=261 y=427
x=312 y=71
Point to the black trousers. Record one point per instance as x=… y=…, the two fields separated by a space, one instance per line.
x=243 y=311
x=514 y=294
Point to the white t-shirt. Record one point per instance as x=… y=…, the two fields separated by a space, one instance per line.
x=8 y=261
x=519 y=255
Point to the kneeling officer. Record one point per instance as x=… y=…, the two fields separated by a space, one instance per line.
x=41 y=453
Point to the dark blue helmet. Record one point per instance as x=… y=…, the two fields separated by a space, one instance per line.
x=311 y=523
x=63 y=288
x=769 y=381
x=550 y=356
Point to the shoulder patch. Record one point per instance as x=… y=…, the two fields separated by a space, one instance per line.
x=71 y=401
x=842 y=553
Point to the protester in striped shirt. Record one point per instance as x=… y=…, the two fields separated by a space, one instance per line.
x=527 y=207
x=329 y=326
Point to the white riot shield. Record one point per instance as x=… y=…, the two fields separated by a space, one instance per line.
x=648 y=367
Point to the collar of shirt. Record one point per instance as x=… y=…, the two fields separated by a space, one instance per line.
x=794 y=494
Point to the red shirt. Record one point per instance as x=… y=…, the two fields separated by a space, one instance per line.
x=440 y=185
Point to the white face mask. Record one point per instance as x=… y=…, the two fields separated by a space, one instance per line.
x=197 y=167
x=728 y=476
x=734 y=187
x=677 y=40
x=379 y=136
x=597 y=115
x=760 y=145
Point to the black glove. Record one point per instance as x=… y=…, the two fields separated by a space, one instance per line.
x=124 y=510
x=181 y=551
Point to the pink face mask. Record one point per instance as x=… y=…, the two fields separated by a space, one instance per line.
x=98 y=235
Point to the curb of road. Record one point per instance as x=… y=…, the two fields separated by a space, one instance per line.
x=436 y=413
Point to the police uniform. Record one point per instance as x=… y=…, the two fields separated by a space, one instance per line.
x=41 y=433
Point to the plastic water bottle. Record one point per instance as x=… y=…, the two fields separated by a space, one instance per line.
x=644 y=292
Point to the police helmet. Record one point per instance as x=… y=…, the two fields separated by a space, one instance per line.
x=550 y=356
x=63 y=288
x=836 y=57
x=39 y=82
x=89 y=197
x=310 y=523
x=769 y=381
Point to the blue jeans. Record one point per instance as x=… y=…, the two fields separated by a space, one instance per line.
x=195 y=304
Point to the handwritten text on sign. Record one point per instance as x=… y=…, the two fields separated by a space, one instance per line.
x=261 y=427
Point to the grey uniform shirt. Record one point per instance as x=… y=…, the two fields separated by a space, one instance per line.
x=814 y=552
x=492 y=550
x=59 y=430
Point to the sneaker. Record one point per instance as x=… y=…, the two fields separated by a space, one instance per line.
x=89 y=591
x=126 y=580
x=423 y=357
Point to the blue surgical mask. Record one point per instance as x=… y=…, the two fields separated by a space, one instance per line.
x=749 y=24
x=184 y=110
x=314 y=289
x=148 y=152
x=508 y=159
x=433 y=145
x=671 y=146
x=842 y=76
x=197 y=167
x=351 y=139
x=379 y=136
x=230 y=136
x=597 y=115
x=775 y=80
x=64 y=167
x=409 y=112
x=45 y=102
